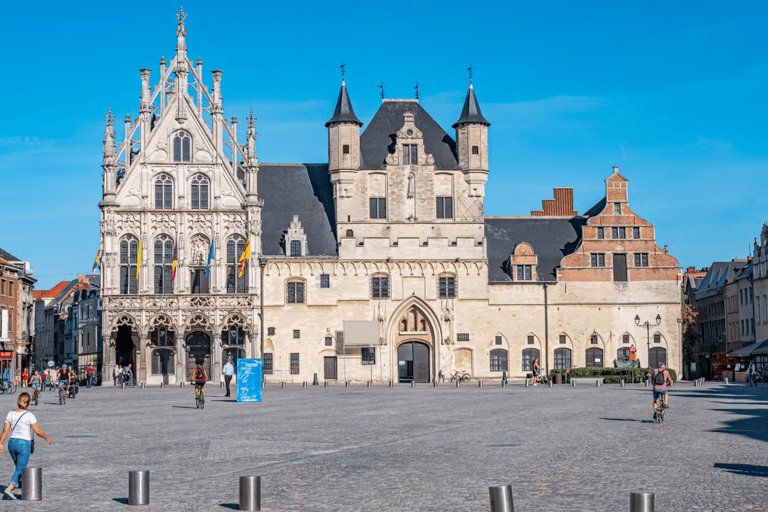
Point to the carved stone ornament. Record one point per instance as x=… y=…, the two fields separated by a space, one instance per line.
x=199 y=247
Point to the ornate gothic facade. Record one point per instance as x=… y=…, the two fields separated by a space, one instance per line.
x=379 y=265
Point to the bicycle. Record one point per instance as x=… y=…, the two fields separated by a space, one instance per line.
x=36 y=395
x=460 y=376
x=129 y=381
x=7 y=386
x=199 y=399
x=62 y=395
x=659 y=415
x=73 y=389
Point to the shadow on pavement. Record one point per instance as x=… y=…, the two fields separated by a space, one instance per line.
x=184 y=407
x=744 y=469
x=124 y=501
x=232 y=506
x=752 y=421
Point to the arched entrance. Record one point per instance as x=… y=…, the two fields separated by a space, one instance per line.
x=198 y=353
x=125 y=350
x=413 y=362
x=162 y=363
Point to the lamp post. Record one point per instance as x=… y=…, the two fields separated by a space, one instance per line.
x=647 y=325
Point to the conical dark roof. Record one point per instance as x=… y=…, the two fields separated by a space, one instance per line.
x=344 y=112
x=471 y=114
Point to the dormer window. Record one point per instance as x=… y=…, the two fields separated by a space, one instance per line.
x=410 y=154
x=617 y=208
x=182 y=147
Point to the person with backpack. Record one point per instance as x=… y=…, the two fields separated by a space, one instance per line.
x=89 y=375
x=200 y=377
x=660 y=379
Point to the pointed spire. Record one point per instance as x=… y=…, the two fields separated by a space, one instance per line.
x=471 y=114
x=181 y=34
x=344 y=112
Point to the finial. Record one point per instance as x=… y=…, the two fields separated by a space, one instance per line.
x=251 y=119
x=109 y=117
x=342 y=72
x=470 y=74
x=382 y=87
x=181 y=16
x=417 y=90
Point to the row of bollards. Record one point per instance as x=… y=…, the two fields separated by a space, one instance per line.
x=501 y=500
x=699 y=382
x=138 y=489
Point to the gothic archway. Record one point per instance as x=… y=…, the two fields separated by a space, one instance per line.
x=414 y=333
x=198 y=352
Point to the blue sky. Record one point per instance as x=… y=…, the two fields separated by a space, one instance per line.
x=671 y=92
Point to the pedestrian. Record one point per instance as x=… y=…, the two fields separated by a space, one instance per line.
x=229 y=371
x=43 y=377
x=89 y=375
x=536 y=367
x=752 y=374
x=20 y=423
x=17 y=378
x=24 y=377
x=118 y=373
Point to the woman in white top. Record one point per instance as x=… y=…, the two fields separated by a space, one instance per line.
x=21 y=423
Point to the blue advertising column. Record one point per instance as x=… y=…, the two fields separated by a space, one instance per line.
x=248 y=380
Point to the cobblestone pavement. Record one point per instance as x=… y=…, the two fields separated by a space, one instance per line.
x=405 y=449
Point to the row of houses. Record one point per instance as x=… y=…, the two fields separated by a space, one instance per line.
x=16 y=311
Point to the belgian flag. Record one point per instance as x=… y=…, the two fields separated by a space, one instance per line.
x=175 y=261
x=245 y=256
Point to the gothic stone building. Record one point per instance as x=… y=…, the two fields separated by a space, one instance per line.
x=377 y=266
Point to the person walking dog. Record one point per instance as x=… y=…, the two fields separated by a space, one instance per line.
x=21 y=424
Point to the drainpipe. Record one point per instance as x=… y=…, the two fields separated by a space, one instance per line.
x=546 y=331
x=262 y=264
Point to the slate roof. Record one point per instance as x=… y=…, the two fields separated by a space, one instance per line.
x=378 y=139
x=471 y=111
x=297 y=189
x=8 y=256
x=718 y=275
x=344 y=112
x=551 y=239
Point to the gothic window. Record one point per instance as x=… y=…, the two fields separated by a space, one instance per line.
x=444 y=207
x=199 y=193
x=163 y=265
x=267 y=363
x=294 y=363
x=594 y=358
x=163 y=192
x=182 y=147
x=162 y=337
x=410 y=154
x=529 y=355
x=294 y=292
x=380 y=287
x=129 y=253
x=233 y=336
x=499 y=360
x=562 y=358
x=378 y=208
x=235 y=282
x=446 y=287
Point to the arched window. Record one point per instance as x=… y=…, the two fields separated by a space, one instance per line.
x=656 y=356
x=162 y=337
x=182 y=147
x=199 y=192
x=163 y=192
x=499 y=360
x=233 y=336
x=129 y=253
x=163 y=264
x=594 y=358
x=562 y=358
x=235 y=282
x=529 y=355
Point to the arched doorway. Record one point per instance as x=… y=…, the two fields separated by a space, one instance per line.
x=413 y=362
x=198 y=353
x=162 y=363
x=125 y=350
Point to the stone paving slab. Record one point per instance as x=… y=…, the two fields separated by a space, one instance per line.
x=405 y=449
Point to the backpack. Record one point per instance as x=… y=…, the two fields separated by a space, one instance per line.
x=199 y=375
x=660 y=378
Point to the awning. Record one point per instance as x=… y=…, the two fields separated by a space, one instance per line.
x=759 y=347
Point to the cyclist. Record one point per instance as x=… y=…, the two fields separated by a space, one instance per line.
x=660 y=380
x=72 y=377
x=200 y=377
x=63 y=378
x=34 y=383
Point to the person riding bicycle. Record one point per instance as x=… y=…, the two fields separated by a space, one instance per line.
x=63 y=378
x=200 y=377
x=35 y=382
x=660 y=380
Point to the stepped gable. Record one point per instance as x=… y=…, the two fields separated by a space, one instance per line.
x=378 y=139
x=551 y=239
x=297 y=189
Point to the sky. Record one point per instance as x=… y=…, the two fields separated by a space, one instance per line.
x=671 y=92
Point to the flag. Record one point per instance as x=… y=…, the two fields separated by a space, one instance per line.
x=245 y=256
x=175 y=262
x=210 y=258
x=138 y=260
x=97 y=262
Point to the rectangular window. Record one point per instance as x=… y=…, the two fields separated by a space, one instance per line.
x=524 y=273
x=294 y=363
x=444 y=206
x=617 y=208
x=597 y=259
x=410 y=154
x=641 y=259
x=296 y=334
x=600 y=233
x=380 y=287
x=200 y=282
x=345 y=149
x=657 y=338
x=636 y=233
x=498 y=340
x=625 y=338
x=270 y=331
x=475 y=150
x=563 y=339
x=325 y=281
x=531 y=340
x=593 y=339
x=295 y=247
x=328 y=341
x=618 y=233
x=295 y=293
x=368 y=355
x=447 y=287
x=267 y=363
x=378 y=208
x=462 y=336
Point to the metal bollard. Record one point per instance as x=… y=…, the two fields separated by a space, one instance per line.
x=550 y=382
x=282 y=384
x=434 y=383
x=368 y=384
x=304 y=384
x=526 y=382
x=122 y=386
x=181 y=384
x=573 y=383
x=412 y=384
x=250 y=493
x=346 y=383
x=726 y=381
x=457 y=384
x=622 y=382
x=501 y=498
x=314 y=382
x=598 y=383
x=641 y=502
x=325 y=384
x=479 y=383
x=390 y=383
x=32 y=489
x=138 y=487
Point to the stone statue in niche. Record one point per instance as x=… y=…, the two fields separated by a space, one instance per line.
x=411 y=186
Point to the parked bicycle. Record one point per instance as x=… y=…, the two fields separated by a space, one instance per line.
x=460 y=376
x=7 y=386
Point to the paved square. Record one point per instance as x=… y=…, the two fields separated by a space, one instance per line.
x=405 y=449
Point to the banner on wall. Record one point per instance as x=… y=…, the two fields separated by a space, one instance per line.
x=249 y=373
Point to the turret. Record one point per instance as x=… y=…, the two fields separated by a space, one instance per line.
x=343 y=145
x=472 y=144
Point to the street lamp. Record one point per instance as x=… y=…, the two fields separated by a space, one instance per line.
x=647 y=325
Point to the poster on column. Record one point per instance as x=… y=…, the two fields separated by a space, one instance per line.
x=248 y=380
